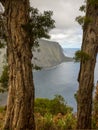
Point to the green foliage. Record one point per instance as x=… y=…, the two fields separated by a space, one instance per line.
x=87 y=20
x=94 y=2
x=4 y=79
x=58 y=105
x=53 y=114
x=39 y=25
x=2 y=31
x=81 y=56
x=36 y=67
x=55 y=122
x=48 y=122
x=69 y=122
x=83 y=8
x=42 y=105
x=76 y=96
x=83 y=21
x=2 y=45
x=53 y=106
x=80 y=20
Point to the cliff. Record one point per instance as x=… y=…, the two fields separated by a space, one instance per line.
x=48 y=54
x=2 y=56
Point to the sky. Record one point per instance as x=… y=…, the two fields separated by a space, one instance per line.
x=67 y=32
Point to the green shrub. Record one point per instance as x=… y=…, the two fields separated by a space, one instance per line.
x=80 y=55
x=53 y=106
x=42 y=105
x=58 y=105
x=55 y=122
x=48 y=122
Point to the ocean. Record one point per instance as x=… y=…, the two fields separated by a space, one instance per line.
x=61 y=80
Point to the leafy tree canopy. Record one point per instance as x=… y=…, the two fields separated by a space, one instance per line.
x=84 y=20
x=80 y=55
x=53 y=106
x=38 y=26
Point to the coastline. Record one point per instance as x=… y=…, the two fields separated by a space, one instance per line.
x=67 y=59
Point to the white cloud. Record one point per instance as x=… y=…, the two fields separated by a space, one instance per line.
x=67 y=32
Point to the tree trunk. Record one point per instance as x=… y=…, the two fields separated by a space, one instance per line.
x=95 y=108
x=86 y=75
x=20 y=104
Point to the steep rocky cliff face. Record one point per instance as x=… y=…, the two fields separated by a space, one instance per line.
x=48 y=54
x=2 y=58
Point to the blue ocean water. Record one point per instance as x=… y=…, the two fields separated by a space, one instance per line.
x=61 y=80
x=70 y=52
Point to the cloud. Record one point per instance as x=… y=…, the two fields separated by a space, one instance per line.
x=68 y=39
x=67 y=32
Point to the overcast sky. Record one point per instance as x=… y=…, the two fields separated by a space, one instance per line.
x=67 y=32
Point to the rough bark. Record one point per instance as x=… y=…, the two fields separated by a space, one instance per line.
x=86 y=75
x=95 y=109
x=20 y=104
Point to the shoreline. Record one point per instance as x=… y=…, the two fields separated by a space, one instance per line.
x=67 y=59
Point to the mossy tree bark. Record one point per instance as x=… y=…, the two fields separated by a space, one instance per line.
x=20 y=104
x=86 y=75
